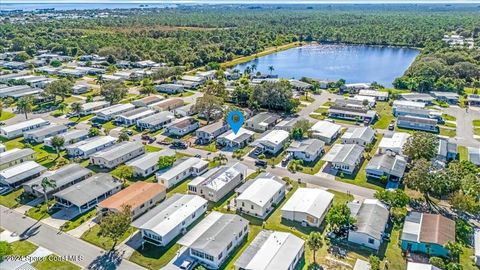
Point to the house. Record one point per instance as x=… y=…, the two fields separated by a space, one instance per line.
x=40 y=134
x=196 y=79
x=218 y=182
x=84 y=149
x=69 y=137
x=109 y=113
x=402 y=111
x=348 y=111
x=131 y=117
x=365 y=100
x=361 y=265
x=17 y=92
x=307 y=150
x=421 y=266
x=109 y=78
x=447 y=149
x=309 y=206
x=147 y=164
x=288 y=124
x=183 y=169
x=16 y=156
x=325 y=131
x=354 y=87
x=260 y=196
x=358 y=135
x=117 y=154
x=372 y=220
x=299 y=85
x=169 y=219
x=187 y=110
x=75 y=73
x=17 y=130
x=474 y=155
x=477 y=246
x=208 y=133
x=393 y=142
x=388 y=165
x=80 y=89
x=140 y=197
x=378 y=95
x=146 y=64
x=18 y=174
x=272 y=142
x=188 y=84
x=14 y=65
x=236 y=140
x=448 y=97
x=272 y=250
x=86 y=194
x=182 y=126
x=427 y=234
x=208 y=75
x=144 y=102
x=417 y=97
x=90 y=107
x=215 y=238
x=407 y=104
x=473 y=100
x=169 y=88
x=63 y=177
x=417 y=123
x=156 y=121
x=344 y=157
x=262 y=122
x=167 y=105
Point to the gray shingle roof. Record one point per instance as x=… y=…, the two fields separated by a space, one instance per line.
x=372 y=218
x=344 y=153
x=392 y=165
x=309 y=146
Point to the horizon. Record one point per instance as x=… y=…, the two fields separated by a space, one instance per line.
x=243 y=2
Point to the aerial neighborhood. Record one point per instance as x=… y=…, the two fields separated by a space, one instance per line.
x=132 y=161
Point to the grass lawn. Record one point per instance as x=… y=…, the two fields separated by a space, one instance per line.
x=274 y=160
x=242 y=152
x=385 y=115
x=328 y=103
x=46 y=156
x=306 y=98
x=450 y=124
x=340 y=197
x=91 y=236
x=448 y=117
x=466 y=259
x=6 y=115
x=315 y=168
x=78 y=220
x=15 y=198
x=448 y=132
x=321 y=110
x=393 y=254
x=154 y=257
x=109 y=125
x=462 y=152
x=476 y=131
x=23 y=248
x=40 y=211
x=317 y=116
x=151 y=148
x=180 y=188
x=184 y=94
x=211 y=147
x=50 y=264
x=71 y=99
x=81 y=119
x=11 y=144
x=476 y=123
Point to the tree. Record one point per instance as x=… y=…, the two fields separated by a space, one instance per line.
x=208 y=105
x=315 y=242
x=114 y=91
x=271 y=69
x=465 y=203
x=397 y=198
x=124 y=172
x=92 y=132
x=45 y=185
x=61 y=107
x=165 y=161
x=59 y=88
x=21 y=57
x=374 y=262
x=421 y=145
x=25 y=105
x=58 y=142
x=216 y=89
x=115 y=224
x=437 y=262
x=5 y=249
x=300 y=129
x=418 y=178
x=147 y=90
x=55 y=63
x=123 y=136
x=76 y=108
x=454 y=249
x=339 y=216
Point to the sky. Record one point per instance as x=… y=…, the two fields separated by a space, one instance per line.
x=241 y=1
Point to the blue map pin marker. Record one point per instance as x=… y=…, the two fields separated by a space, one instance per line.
x=235 y=120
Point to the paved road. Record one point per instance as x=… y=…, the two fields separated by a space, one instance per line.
x=62 y=244
x=464 y=124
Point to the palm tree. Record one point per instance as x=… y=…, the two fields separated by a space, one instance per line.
x=45 y=184
x=221 y=158
x=271 y=69
x=57 y=143
x=76 y=109
x=254 y=67
x=99 y=80
x=25 y=105
x=61 y=107
x=315 y=242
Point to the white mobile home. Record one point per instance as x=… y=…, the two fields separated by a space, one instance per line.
x=272 y=142
x=70 y=137
x=182 y=126
x=358 y=135
x=372 y=218
x=309 y=206
x=91 y=107
x=117 y=154
x=84 y=149
x=307 y=150
x=16 y=156
x=208 y=133
x=17 y=130
x=393 y=142
x=344 y=157
x=131 y=117
x=20 y=173
x=147 y=163
x=162 y=224
x=236 y=140
x=40 y=134
x=182 y=170
x=144 y=102
x=109 y=113
x=325 y=131
x=156 y=121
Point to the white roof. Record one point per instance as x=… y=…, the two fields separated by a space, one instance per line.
x=277 y=252
x=229 y=135
x=199 y=229
x=325 y=129
x=116 y=109
x=375 y=93
x=312 y=201
x=396 y=141
x=174 y=211
x=274 y=137
x=421 y=266
x=24 y=124
x=407 y=103
x=261 y=190
x=219 y=177
x=149 y=160
x=92 y=143
x=182 y=166
x=477 y=243
x=93 y=105
x=362 y=98
x=17 y=171
x=361 y=265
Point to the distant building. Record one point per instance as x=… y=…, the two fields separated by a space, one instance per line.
x=170 y=88
x=389 y=165
x=84 y=149
x=417 y=97
x=288 y=124
x=262 y=122
x=421 y=266
x=447 y=149
x=144 y=102
x=69 y=137
x=182 y=126
x=18 y=174
x=473 y=100
x=40 y=134
x=90 y=107
x=474 y=155
x=417 y=123
x=131 y=117
x=393 y=142
x=344 y=110
x=378 y=95
x=147 y=164
x=272 y=142
x=354 y=87
x=449 y=97
x=167 y=105
x=109 y=113
x=16 y=156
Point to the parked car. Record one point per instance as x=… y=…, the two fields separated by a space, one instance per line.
x=260 y=163
x=179 y=144
x=391 y=126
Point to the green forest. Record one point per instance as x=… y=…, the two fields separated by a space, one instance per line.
x=194 y=37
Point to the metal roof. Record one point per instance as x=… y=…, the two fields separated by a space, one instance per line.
x=261 y=189
x=344 y=153
x=63 y=176
x=15 y=154
x=312 y=201
x=372 y=218
x=118 y=150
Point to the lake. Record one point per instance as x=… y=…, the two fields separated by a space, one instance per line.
x=333 y=62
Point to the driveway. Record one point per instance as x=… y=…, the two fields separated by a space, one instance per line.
x=465 y=135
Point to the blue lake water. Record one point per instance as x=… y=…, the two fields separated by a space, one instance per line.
x=333 y=62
